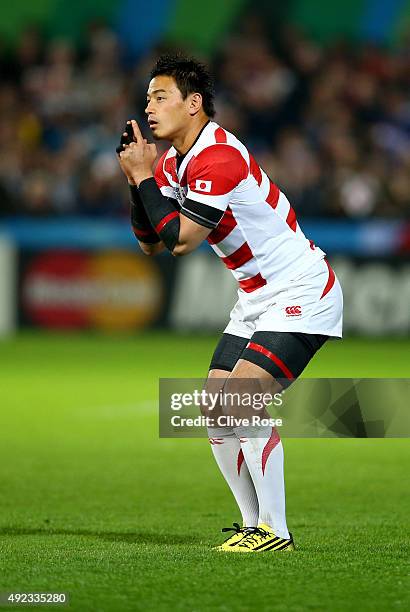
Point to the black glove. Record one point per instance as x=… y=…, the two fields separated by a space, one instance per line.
x=125 y=138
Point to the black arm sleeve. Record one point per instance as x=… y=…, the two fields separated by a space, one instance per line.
x=140 y=223
x=205 y=215
x=161 y=211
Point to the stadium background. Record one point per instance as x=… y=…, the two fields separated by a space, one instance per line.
x=320 y=94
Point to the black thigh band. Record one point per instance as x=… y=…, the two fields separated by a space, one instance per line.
x=283 y=354
x=227 y=352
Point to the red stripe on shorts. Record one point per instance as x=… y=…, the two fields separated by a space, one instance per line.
x=330 y=281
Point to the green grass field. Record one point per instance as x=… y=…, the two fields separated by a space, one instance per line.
x=95 y=504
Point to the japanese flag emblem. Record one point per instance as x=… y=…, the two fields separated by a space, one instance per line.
x=205 y=186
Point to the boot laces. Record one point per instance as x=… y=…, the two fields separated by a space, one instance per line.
x=253 y=535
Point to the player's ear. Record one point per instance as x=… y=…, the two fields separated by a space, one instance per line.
x=195 y=103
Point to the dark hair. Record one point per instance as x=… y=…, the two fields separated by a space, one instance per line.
x=190 y=76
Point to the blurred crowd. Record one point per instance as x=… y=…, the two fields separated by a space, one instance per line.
x=329 y=124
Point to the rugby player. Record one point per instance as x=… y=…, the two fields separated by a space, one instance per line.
x=208 y=186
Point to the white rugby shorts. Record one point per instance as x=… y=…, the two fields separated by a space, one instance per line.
x=311 y=303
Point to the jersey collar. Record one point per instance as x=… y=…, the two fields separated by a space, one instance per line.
x=180 y=158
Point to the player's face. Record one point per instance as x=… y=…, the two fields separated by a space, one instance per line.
x=166 y=110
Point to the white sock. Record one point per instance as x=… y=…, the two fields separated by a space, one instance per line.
x=230 y=459
x=264 y=458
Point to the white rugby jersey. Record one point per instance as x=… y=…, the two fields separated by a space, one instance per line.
x=219 y=185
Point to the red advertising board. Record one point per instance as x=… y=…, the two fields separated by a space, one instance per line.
x=109 y=290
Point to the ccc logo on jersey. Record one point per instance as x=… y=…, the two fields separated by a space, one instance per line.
x=293 y=311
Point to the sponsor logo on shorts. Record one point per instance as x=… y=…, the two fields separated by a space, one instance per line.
x=293 y=311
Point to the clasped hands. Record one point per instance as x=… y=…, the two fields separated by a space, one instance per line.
x=136 y=156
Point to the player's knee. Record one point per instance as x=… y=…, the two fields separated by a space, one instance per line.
x=211 y=399
x=237 y=398
x=206 y=410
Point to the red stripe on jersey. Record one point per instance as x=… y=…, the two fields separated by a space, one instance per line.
x=261 y=349
x=166 y=220
x=240 y=257
x=170 y=167
x=269 y=446
x=255 y=170
x=250 y=284
x=160 y=177
x=291 y=219
x=224 y=228
x=240 y=461
x=330 y=280
x=273 y=195
x=220 y=136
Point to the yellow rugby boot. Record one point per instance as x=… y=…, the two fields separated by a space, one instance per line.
x=262 y=538
x=235 y=538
